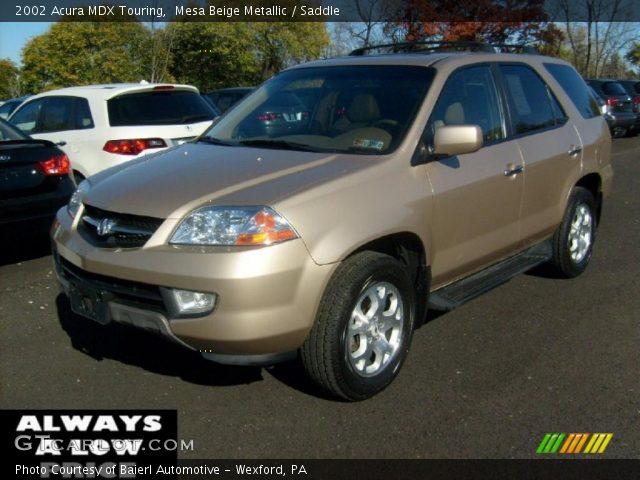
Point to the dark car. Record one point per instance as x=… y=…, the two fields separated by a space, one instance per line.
x=632 y=87
x=617 y=98
x=225 y=98
x=211 y=104
x=619 y=122
x=7 y=108
x=35 y=179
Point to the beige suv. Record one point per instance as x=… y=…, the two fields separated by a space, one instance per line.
x=323 y=214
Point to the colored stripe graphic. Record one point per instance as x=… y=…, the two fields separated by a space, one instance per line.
x=556 y=443
x=598 y=443
x=550 y=443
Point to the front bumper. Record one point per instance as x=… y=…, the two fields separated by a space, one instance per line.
x=266 y=297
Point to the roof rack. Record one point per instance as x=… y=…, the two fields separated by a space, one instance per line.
x=438 y=46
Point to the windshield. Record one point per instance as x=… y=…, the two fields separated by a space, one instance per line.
x=359 y=109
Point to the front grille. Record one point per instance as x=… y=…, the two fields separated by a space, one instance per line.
x=134 y=293
x=110 y=229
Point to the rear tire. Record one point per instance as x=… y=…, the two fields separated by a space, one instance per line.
x=618 y=132
x=363 y=328
x=574 y=238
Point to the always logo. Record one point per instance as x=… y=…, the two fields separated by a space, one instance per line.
x=46 y=442
x=93 y=423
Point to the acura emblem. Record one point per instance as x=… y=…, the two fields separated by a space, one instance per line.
x=106 y=227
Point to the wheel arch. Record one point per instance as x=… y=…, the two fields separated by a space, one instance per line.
x=593 y=183
x=408 y=248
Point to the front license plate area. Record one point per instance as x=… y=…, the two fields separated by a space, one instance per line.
x=89 y=303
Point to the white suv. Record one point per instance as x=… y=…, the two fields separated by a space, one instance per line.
x=99 y=126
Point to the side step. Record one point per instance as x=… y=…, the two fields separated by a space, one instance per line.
x=468 y=288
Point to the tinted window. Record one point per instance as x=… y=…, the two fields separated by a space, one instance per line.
x=83 y=117
x=226 y=100
x=161 y=107
x=57 y=115
x=531 y=103
x=358 y=109
x=26 y=116
x=469 y=98
x=613 y=88
x=575 y=87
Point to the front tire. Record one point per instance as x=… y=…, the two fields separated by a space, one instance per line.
x=363 y=329
x=574 y=238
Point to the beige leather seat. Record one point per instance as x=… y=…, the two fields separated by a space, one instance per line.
x=362 y=111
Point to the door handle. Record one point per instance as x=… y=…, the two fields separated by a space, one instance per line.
x=513 y=170
x=574 y=150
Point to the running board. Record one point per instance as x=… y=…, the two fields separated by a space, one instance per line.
x=468 y=288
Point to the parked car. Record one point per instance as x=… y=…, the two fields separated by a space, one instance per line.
x=100 y=126
x=8 y=107
x=406 y=186
x=35 y=179
x=632 y=87
x=225 y=98
x=618 y=100
x=619 y=122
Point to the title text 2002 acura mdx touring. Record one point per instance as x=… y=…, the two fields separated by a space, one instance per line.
x=324 y=213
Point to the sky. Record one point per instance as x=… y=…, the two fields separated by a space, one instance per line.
x=14 y=35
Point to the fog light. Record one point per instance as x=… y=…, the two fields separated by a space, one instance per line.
x=190 y=303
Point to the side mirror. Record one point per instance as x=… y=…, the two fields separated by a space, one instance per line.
x=457 y=140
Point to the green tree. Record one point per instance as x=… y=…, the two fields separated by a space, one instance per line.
x=9 y=79
x=281 y=44
x=633 y=55
x=215 y=55
x=81 y=53
x=211 y=55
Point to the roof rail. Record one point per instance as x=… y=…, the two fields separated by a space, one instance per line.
x=438 y=45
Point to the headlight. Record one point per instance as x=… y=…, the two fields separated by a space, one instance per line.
x=233 y=226
x=76 y=199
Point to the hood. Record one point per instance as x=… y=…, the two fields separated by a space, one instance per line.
x=171 y=183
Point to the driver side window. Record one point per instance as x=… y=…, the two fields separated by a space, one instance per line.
x=469 y=97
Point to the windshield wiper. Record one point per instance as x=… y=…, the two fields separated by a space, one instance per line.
x=216 y=141
x=278 y=144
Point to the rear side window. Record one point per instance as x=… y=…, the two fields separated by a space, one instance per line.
x=613 y=88
x=57 y=115
x=162 y=107
x=533 y=106
x=575 y=88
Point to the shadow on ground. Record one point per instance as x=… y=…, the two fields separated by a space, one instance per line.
x=21 y=245
x=136 y=347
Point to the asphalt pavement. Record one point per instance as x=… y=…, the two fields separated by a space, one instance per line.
x=487 y=380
